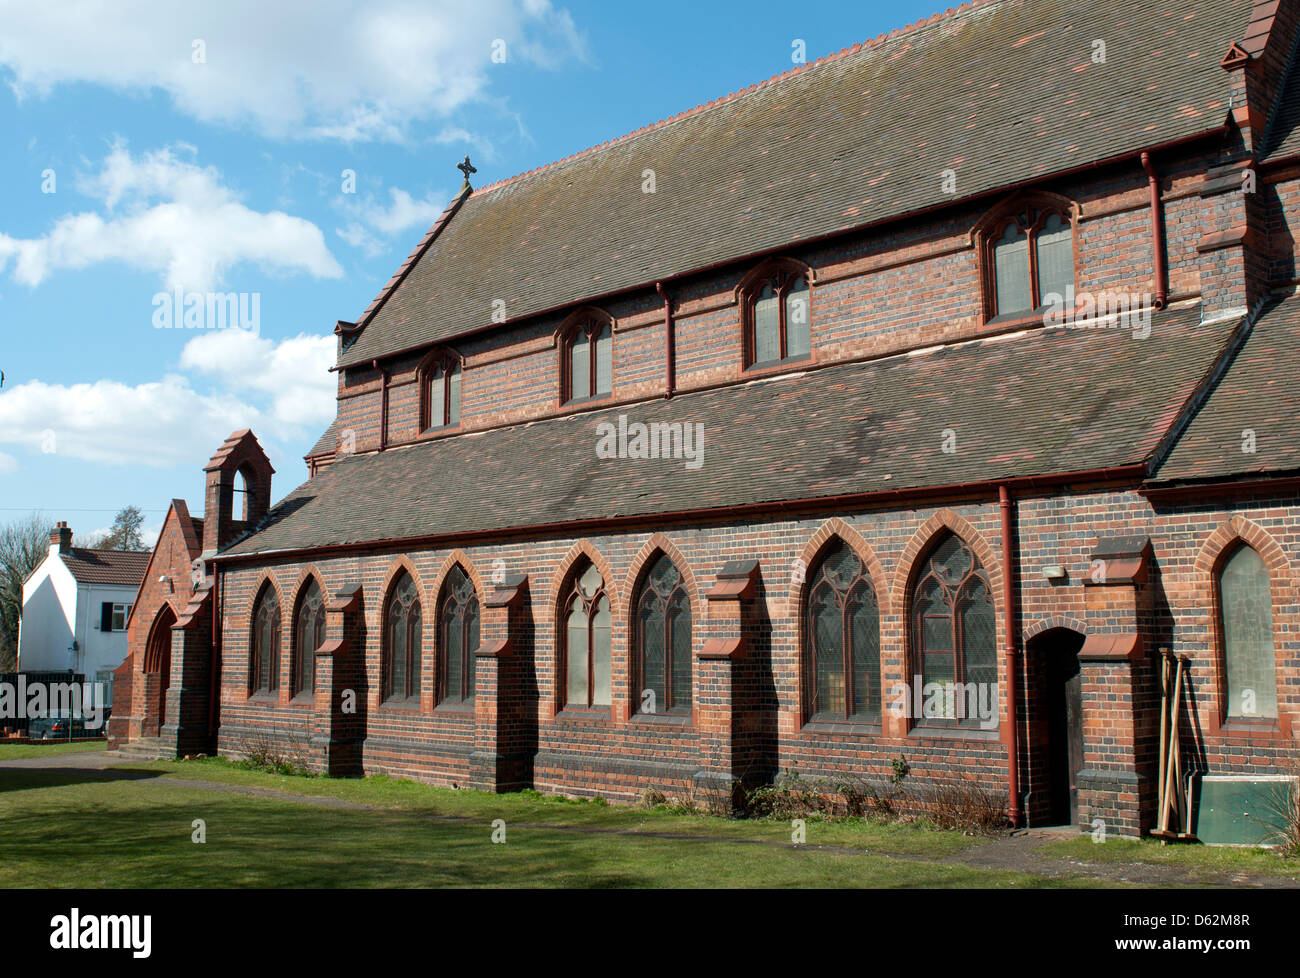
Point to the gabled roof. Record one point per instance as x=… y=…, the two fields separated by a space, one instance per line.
x=114 y=567
x=1051 y=401
x=1259 y=394
x=999 y=91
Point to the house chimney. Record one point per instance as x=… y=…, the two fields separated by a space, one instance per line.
x=61 y=538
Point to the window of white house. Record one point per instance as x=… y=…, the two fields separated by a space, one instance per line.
x=113 y=617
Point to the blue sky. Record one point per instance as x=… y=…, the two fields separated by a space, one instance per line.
x=151 y=145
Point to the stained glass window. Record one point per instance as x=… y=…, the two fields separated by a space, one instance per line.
x=591 y=361
x=459 y=623
x=402 y=640
x=265 y=671
x=588 y=641
x=843 y=636
x=308 y=636
x=663 y=620
x=954 y=633
x=442 y=392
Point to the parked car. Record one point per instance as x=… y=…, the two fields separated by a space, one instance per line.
x=56 y=728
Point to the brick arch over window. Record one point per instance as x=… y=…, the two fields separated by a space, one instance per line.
x=911 y=564
x=557 y=599
x=1222 y=544
x=586 y=326
x=159 y=643
x=785 y=280
x=820 y=542
x=1029 y=211
x=834 y=532
x=265 y=581
x=658 y=545
x=435 y=686
x=296 y=653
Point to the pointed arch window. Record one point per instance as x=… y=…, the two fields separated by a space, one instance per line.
x=1245 y=598
x=402 y=637
x=440 y=381
x=777 y=313
x=587 y=358
x=264 y=670
x=663 y=637
x=1028 y=256
x=308 y=636
x=458 y=632
x=842 y=639
x=588 y=638
x=953 y=634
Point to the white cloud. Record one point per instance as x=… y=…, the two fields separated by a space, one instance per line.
x=280 y=390
x=156 y=424
x=167 y=215
x=294 y=373
x=402 y=213
x=336 y=69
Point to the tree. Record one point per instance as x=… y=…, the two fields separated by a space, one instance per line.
x=24 y=543
x=124 y=534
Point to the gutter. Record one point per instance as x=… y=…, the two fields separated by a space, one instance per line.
x=1133 y=472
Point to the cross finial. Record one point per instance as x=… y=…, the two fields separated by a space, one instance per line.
x=466 y=168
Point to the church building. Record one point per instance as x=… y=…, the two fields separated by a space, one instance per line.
x=921 y=405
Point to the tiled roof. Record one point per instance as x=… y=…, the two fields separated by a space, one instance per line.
x=1050 y=401
x=1000 y=92
x=327 y=442
x=1284 y=137
x=124 y=567
x=1258 y=393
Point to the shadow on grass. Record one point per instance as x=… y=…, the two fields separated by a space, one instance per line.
x=26 y=779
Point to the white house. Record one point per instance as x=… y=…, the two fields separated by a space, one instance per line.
x=76 y=604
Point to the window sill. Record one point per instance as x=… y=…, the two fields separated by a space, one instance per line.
x=585 y=401
x=933 y=731
x=1244 y=729
x=776 y=366
x=411 y=705
x=584 y=714
x=660 y=719
x=264 y=696
x=304 y=699
x=845 y=727
x=462 y=707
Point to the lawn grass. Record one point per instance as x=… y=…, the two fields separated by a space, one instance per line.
x=132 y=826
x=1199 y=860
x=906 y=838
x=13 y=752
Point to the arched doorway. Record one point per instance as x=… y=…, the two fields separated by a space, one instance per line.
x=1055 y=718
x=158 y=670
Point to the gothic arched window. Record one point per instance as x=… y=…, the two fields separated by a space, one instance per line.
x=308 y=636
x=954 y=632
x=777 y=316
x=587 y=356
x=264 y=670
x=842 y=653
x=458 y=633
x=663 y=637
x=402 y=640
x=587 y=640
x=1246 y=617
x=440 y=391
x=1030 y=257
